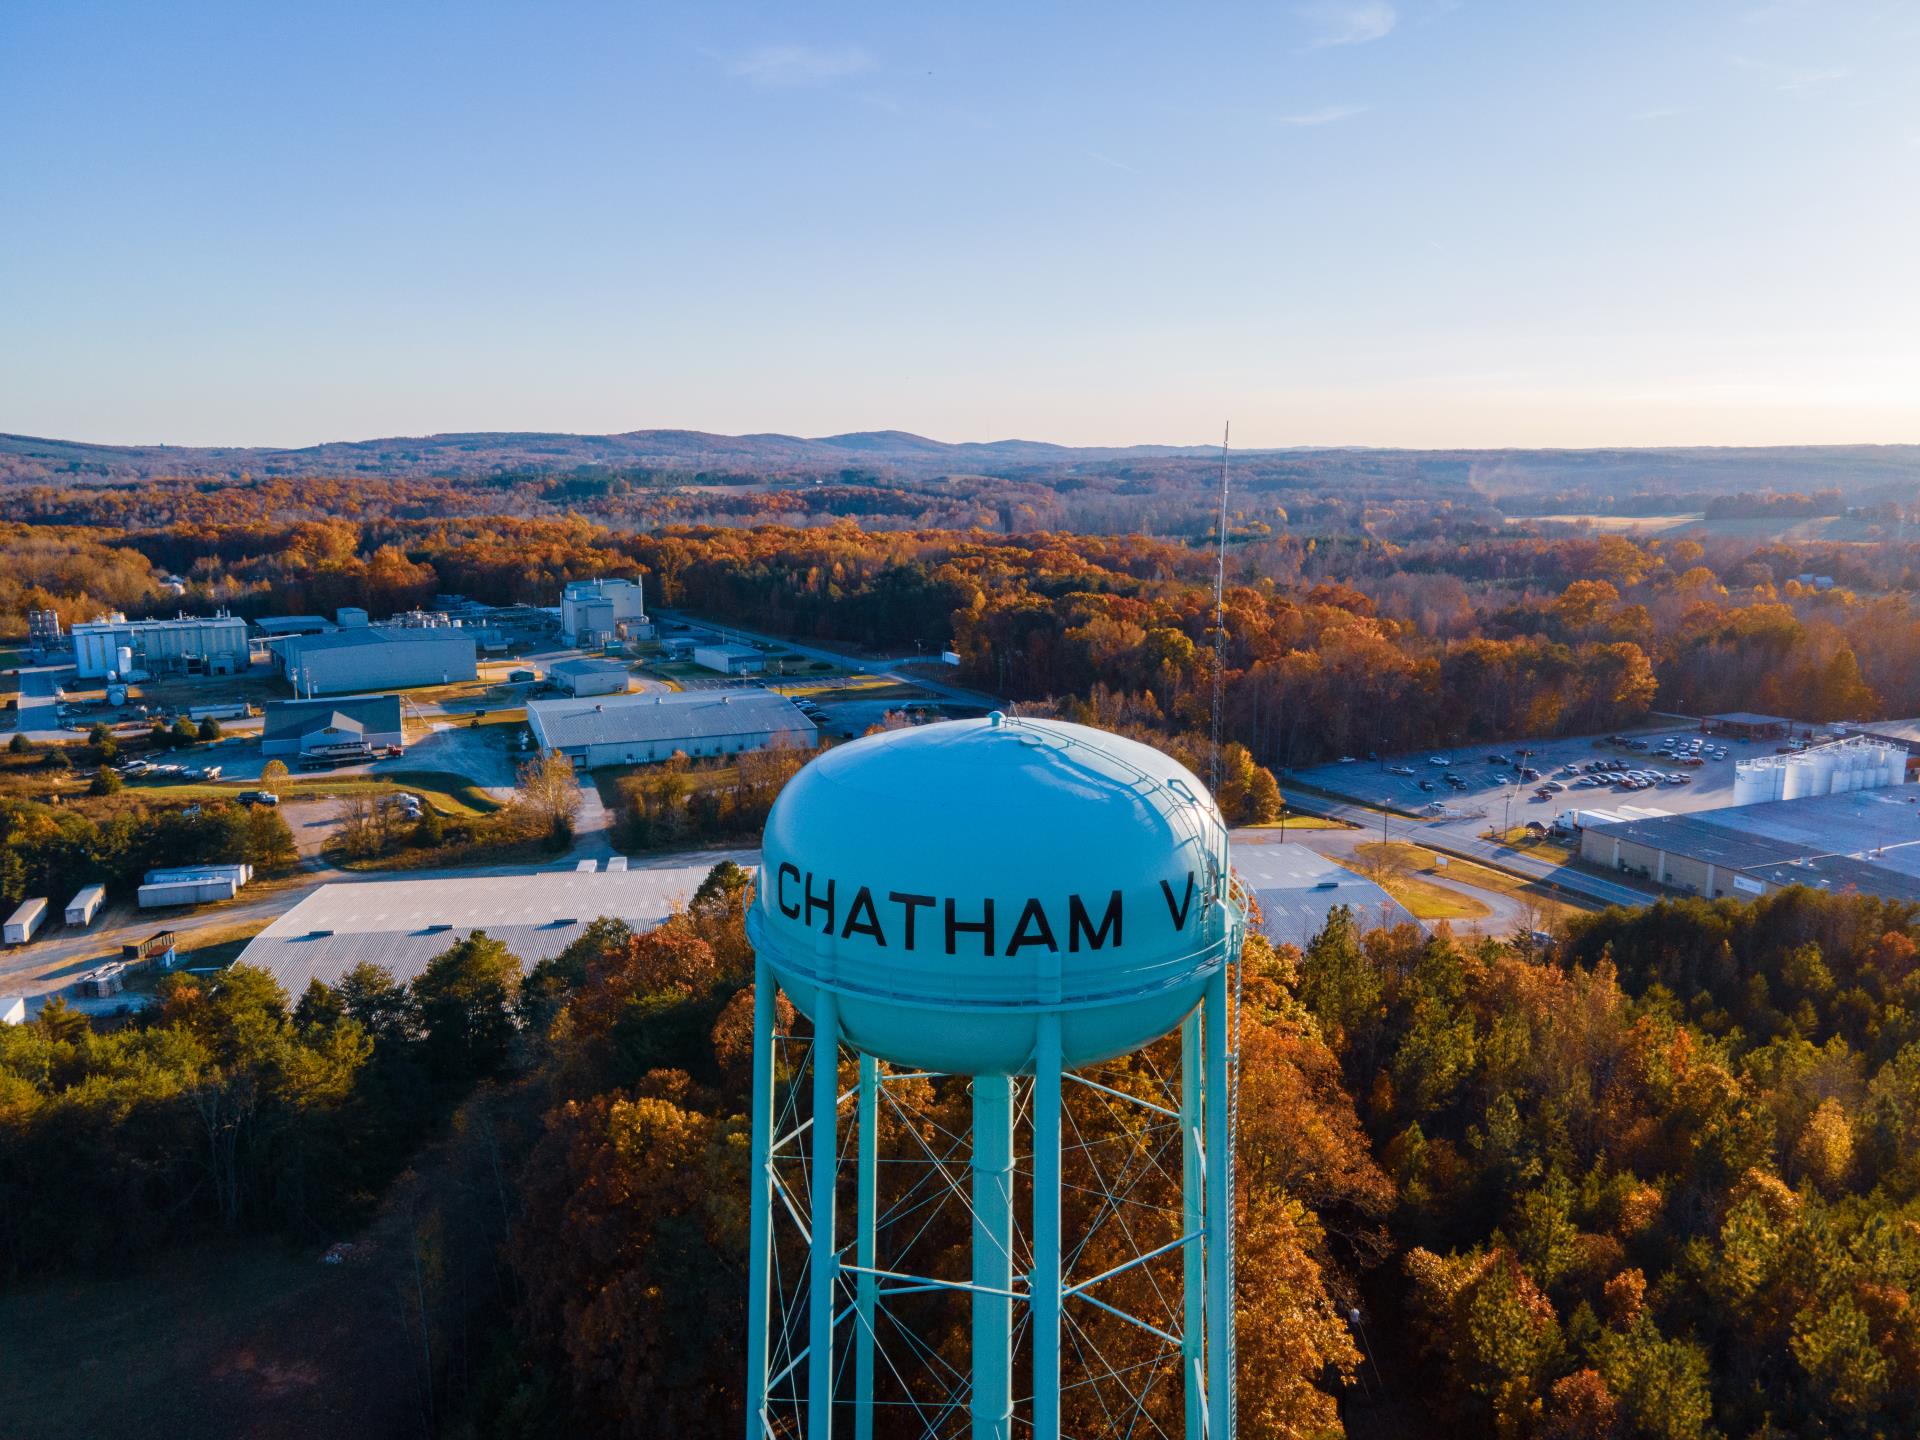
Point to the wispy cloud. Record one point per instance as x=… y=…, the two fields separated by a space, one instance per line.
x=1325 y=115
x=1350 y=22
x=1808 y=79
x=1108 y=160
x=784 y=65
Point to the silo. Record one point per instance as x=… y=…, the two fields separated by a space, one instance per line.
x=1013 y=901
x=123 y=659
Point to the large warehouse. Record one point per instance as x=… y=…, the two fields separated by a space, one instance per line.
x=368 y=723
x=404 y=924
x=187 y=644
x=1866 y=840
x=379 y=657
x=636 y=729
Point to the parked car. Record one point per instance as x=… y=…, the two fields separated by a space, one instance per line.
x=258 y=797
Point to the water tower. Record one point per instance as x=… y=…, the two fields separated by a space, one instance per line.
x=999 y=907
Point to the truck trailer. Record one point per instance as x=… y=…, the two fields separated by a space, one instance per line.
x=84 y=906
x=25 y=920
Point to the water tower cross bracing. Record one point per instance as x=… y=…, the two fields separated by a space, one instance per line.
x=992 y=1187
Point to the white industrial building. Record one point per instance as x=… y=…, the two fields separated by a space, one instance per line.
x=637 y=729
x=593 y=612
x=1830 y=769
x=730 y=659
x=356 y=727
x=188 y=644
x=590 y=677
x=377 y=657
x=404 y=924
x=13 y=1009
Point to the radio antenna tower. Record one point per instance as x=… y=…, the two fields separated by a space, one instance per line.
x=1219 y=619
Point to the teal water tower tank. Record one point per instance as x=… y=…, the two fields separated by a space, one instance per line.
x=951 y=883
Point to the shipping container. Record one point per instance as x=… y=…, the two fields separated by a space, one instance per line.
x=186 y=892
x=24 y=921
x=84 y=906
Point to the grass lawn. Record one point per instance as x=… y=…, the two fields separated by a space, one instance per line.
x=1299 y=820
x=1538 y=846
x=1552 y=904
x=1393 y=866
x=451 y=794
x=857 y=687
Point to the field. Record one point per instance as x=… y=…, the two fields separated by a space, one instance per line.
x=1300 y=820
x=1393 y=866
x=451 y=794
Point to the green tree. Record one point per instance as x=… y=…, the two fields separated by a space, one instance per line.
x=184 y=732
x=269 y=844
x=19 y=744
x=104 y=782
x=273 y=772
x=102 y=744
x=371 y=996
x=465 y=999
x=210 y=729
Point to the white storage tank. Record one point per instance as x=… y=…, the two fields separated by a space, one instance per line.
x=25 y=920
x=84 y=906
x=123 y=660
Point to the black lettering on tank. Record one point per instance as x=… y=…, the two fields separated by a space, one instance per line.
x=909 y=902
x=856 y=926
x=1033 y=918
x=792 y=912
x=1179 y=912
x=819 y=903
x=983 y=927
x=1079 y=924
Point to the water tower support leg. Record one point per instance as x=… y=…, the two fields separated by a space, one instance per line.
x=867 y=1284
x=759 y=1272
x=1219 y=1216
x=1044 y=1287
x=992 y=1257
x=1193 y=1259
x=823 y=1264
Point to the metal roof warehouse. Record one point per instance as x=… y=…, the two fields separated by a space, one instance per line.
x=404 y=924
x=636 y=729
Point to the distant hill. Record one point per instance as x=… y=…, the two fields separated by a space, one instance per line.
x=1535 y=480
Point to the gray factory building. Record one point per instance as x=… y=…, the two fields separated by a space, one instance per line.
x=379 y=657
x=184 y=645
x=638 y=729
x=322 y=727
x=1865 y=840
x=590 y=677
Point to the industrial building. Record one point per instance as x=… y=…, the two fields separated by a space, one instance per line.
x=1840 y=765
x=404 y=924
x=1866 y=840
x=1745 y=725
x=730 y=659
x=378 y=657
x=594 y=612
x=356 y=727
x=13 y=1009
x=590 y=677
x=1904 y=733
x=276 y=627
x=186 y=645
x=636 y=729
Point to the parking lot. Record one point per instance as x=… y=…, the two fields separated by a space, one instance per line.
x=1495 y=796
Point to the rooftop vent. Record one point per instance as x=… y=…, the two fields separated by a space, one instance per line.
x=318 y=934
x=437 y=929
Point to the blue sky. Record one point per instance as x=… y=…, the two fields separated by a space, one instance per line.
x=1344 y=221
